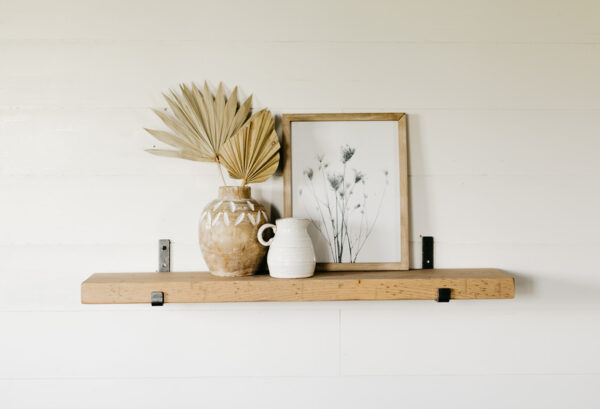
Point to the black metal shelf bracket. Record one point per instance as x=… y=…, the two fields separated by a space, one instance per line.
x=444 y=294
x=157 y=298
x=427 y=252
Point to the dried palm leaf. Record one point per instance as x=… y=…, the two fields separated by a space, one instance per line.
x=200 y=122
x=252 y=154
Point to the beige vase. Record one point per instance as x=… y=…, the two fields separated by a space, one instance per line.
x=228 y=229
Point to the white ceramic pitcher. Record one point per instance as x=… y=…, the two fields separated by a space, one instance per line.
x=291 y=254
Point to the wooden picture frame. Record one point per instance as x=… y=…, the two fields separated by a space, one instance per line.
x=400 y=118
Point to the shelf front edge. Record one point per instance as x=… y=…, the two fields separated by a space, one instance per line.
x=132 y=288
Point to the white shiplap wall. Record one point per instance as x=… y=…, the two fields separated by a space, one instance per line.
x=503 y=100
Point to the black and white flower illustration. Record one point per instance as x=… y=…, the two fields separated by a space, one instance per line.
x=341 y=204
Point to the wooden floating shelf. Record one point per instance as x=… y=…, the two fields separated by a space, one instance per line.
x=132 y=288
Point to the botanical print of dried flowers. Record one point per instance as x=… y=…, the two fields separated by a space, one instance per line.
x=340 y=205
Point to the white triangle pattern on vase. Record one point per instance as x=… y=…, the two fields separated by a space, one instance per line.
x=239 y=219
x=226 y=219
x=253 y=218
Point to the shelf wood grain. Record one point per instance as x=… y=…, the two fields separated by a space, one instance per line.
x=132 y=288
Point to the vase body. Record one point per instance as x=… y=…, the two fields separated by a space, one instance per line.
x=292 y=254
x=228 y=233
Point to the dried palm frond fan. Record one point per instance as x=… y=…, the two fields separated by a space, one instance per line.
x=252 y=154
x=209 y=128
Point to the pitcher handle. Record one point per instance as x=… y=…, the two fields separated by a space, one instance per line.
x=260 y=233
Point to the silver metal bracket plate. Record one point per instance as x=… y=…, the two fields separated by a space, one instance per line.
x=164 y=256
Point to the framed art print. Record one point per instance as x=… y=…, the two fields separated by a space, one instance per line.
x=348 y=174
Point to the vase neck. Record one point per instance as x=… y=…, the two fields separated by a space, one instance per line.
x=234 y=192
x=292 y=223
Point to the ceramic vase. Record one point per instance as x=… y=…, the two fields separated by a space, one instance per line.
x=292 y=254
x=228 y=233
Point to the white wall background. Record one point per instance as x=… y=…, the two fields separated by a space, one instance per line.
x=503 y=100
